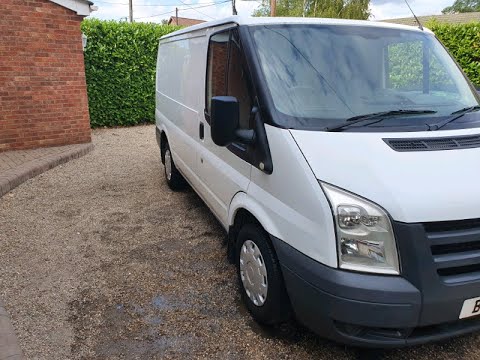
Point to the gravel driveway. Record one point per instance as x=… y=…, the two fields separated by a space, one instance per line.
x=100 y=260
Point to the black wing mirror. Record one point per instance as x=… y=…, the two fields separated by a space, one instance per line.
x=224 y=122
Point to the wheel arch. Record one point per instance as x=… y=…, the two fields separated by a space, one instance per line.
x=163 y=144
x=243 y=209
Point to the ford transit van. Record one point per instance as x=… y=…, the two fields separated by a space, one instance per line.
x=343 y=160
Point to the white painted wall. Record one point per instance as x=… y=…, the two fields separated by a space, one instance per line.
x=81 y=7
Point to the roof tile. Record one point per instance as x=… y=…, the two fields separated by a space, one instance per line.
x=460 y=18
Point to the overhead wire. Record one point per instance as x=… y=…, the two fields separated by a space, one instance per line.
x=154 y=5
x=188 y=8
x=195 y=9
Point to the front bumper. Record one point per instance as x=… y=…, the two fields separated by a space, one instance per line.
x=376 y=310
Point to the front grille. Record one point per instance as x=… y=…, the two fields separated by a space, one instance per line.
x=459 y=270
x=468 y=224
x=455 y=247
x=432 y=144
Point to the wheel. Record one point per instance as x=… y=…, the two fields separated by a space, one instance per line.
x=260 y=277
x=175 y=180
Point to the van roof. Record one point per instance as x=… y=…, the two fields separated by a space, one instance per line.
x=249 y=20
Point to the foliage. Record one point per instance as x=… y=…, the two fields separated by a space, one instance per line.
x=462 y=6
x=346 y=9
x=405 y=59
x=463 y=42
x=406 y=69
x=120 y=62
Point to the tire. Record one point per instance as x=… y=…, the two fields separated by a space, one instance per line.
x=175 y=180
x=272 y=307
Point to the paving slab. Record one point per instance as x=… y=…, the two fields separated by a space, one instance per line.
x=9 y=348
x=18 y=166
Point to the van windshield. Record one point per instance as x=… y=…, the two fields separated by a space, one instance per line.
x=321 y=75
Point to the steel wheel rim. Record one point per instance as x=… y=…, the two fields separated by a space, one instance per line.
x=168 y=165
x=253 y=273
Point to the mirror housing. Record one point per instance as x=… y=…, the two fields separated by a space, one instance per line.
x=224 y=122
x=225 y=113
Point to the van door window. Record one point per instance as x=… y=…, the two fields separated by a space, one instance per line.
x=237 y=83
x=227 y=74
x=217 y=65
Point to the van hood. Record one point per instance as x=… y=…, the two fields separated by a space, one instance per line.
x=413 y=186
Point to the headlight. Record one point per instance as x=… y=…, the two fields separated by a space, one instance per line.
x=365 y=237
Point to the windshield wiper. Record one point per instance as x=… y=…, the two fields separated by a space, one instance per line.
x=457 y=115
x=377 y=117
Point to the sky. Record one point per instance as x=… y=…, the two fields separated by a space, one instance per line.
x=156 y=10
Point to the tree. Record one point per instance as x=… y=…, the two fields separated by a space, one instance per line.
x=345 y=9
x=462 y=6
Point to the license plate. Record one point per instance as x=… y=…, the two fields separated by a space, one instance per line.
x=471 y=307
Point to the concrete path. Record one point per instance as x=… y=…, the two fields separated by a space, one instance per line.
x=9 y=348
x=18 y=166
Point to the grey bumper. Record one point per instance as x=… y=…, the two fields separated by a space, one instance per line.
x=360 y=309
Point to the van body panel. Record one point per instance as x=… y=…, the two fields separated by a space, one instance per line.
x=294 y=200
x=247 y=20
x=246 y=202
x=177 y=98
x=414 y=183
x=180 y=104
x=217 y=165
x=231 y=177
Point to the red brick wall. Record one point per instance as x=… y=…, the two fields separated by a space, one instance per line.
x=43 y=95
x=219 y=60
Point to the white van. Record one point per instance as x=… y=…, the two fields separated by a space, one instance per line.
x=343 y=160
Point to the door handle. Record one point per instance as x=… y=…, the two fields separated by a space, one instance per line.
x=201 y=131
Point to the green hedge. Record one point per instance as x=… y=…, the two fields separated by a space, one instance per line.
x=463 y=42
x=406 y=68
x=120 y=64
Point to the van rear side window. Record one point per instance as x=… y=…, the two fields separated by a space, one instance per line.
x=227 y=75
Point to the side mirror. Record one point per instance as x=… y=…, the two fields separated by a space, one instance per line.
x=224 y=119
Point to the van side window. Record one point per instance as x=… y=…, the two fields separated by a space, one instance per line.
x=217 y=65
x=227 y=75
x=237 y=84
